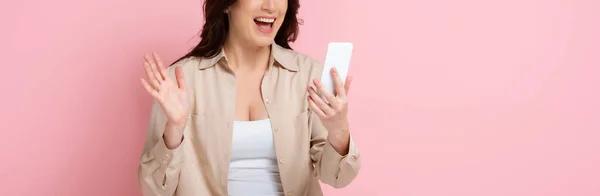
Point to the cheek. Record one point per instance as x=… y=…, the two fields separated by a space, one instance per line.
x=240 y=21
x=282 y=3
x=283 y=6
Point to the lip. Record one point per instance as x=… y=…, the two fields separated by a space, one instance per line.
x=266 y=30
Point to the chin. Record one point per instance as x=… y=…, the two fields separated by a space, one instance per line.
x=263 y=41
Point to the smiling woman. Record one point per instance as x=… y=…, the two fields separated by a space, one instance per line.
x=239 y=114
x=246 y=16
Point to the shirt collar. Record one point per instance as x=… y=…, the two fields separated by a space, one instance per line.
x=280 y=55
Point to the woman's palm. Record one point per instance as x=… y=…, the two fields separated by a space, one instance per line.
x=174 y=101
x=172 y=95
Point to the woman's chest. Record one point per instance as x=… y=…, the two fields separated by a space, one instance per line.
x=216 y=98
x=225 y=96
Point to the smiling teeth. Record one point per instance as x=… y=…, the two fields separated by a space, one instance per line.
x=266 y=20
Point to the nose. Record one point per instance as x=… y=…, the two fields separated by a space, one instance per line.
x=268 y=5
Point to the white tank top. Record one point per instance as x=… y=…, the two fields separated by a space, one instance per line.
x=253 y=167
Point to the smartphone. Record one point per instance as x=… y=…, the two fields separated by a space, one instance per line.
x=338 y=56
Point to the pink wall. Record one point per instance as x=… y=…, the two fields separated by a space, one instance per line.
x=453 y=98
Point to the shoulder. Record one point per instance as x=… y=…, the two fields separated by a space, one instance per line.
x=184 y=63
x=303 y=63
x=307 y=62
x=188 y=65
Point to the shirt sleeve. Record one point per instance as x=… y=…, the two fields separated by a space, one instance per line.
x=332 y=168
x=159 y=168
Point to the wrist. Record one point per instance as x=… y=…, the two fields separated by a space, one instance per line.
x=340 y=142
x=175 y=126
x=173 y=134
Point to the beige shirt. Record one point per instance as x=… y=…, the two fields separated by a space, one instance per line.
x=200 y=165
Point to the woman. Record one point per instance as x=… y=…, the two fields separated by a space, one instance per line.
x=238 y=115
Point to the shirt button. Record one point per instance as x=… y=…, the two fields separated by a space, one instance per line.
x=268 y=101
x=167 y=155
x=276 y=129
x=281 y=161
x=165 y=162
x=289 y=193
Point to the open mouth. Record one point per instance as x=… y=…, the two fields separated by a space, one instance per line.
x=264 y=24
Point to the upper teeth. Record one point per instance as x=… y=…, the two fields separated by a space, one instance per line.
x=267 y=20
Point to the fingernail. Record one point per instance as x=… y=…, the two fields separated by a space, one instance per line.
x=334 y=70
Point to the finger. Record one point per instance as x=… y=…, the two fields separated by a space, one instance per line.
x=154 y=70
x=150 y=90
x=338 y=84
x=347 y=84
x=328 y=96
x=320 y=102
x=153 y=82
x=179 y=77
x=160 y=66
x=313 y=106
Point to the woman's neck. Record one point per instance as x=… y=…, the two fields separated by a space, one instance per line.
x=242 y=57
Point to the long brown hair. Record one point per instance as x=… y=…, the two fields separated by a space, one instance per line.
x=216 y=27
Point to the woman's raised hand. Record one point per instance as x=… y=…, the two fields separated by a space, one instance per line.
x=173 y=96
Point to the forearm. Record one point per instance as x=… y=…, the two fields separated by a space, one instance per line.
x=173 y=135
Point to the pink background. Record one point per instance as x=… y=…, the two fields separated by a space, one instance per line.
x=450 y=98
